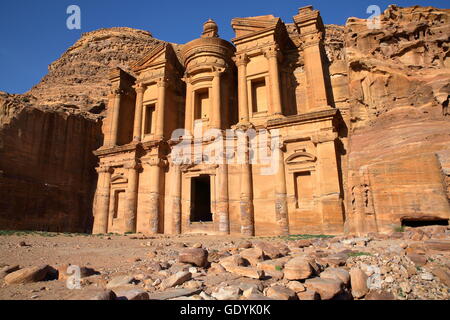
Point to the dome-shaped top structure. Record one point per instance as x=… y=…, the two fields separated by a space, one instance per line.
x=210 y=29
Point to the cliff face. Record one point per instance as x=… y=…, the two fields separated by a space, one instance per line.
x=47 y=169
x=398 y=92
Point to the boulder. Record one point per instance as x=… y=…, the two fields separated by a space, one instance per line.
x=176 y=279
x=298 y=269
x=336 y=274
x=281 y=293
x=308 y=295
x=249 y=272
x=326 y=288
x=269 y=250
x=227 y=293
x=195 y=256
x=358 y=282
x=252 y=255
x=120 y=281
x=379 y=295
x=28 y=275
x=134 y=294
x=296 y=286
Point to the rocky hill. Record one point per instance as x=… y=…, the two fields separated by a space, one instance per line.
x=47 y=169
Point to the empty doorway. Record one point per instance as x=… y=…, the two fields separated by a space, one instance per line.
x=201 y=199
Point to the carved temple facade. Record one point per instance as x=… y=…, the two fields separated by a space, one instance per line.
x=267 y=79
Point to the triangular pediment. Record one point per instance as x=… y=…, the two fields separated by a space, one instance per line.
x=156 y=56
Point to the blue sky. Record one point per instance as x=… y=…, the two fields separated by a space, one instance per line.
x=33 y=33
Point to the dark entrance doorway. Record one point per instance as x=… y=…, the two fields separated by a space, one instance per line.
x=415 y=223
x=201 y=199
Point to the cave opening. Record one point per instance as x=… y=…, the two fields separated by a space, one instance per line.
x=416 y=223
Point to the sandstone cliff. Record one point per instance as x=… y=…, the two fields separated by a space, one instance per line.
x=47 y=169
x=399 y=129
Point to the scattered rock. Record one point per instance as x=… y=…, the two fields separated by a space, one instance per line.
x=195 y=256
x=176 y=279
x=281 y=293
x=359 y=283
x=326 y=288
x=298 y=269
x=336 y=274
x=27 y=275
x=134 y=294
x=227 y=293
x=253 y=255
x=308 y=295
x=120 y=281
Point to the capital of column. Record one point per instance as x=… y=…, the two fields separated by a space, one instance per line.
x=139 y=87
x=104 y=169
x=118 y=92
x=217 y=72
x=163 y=83
x=241 y=60
x=155 y=162
x=272 y=52
x=132 y=165
x=312 y=39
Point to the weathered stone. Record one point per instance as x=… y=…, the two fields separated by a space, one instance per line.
x=249 y=272
x=27 y=275
x=296 y=286
x=273 y=265
x=358 y=282
x=308 y=295
x=326 y=288
x=379 y=295
x=134 y=294
x=269 y=250
x=336 y=274
x=281 y=293
x=253 y=255
x=298 y=269
x=176 y=279
x=227 y=293
x=84 y=272
x=442 y=274
x=195 y=256
x=173 y=293
x=8 y=269
x=120 y=281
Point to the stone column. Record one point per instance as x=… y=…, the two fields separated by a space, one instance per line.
x=330 y=191
x=272 y=56
x=216 y=105
x=138 y=112
x=102 y=197
x=246 y=205
x=188 y=125
x=155 y=179
x=176 y=198
x=162 y=85
x=241 y=62
x=130 y=215
x=222 y=193
x=115 y=121
x=281 y=209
